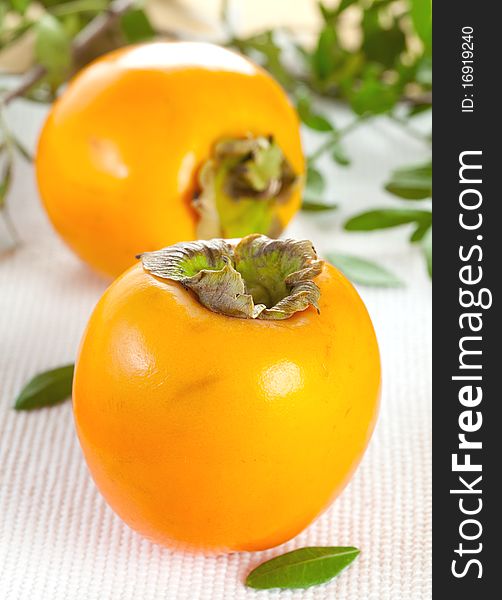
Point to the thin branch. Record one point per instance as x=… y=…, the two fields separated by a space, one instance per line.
x=97 y=27
x=34 y=75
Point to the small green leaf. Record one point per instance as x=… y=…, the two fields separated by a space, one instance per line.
x=53 y=48
x=339 y=155
x=5 y=182
x=421 y=16
x=270 y=54
x=313 y=190
x=327 y=53
x=46 y=389
x=302 y=568
x=310 y=118
x=136 y=26
x=427 y=250
x=373 y=96
x=421 y=229
x=363 y=271
x=411 y=183
x=326 y=13
x=315 y=182
x=385 y=218
x=20 y=6
x=381 y=45
x=344 y=4
x=312 y=205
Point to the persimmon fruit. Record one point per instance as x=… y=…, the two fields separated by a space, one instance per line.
x=168 y=141
x=225 y=391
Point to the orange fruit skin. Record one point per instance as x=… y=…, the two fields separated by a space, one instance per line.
x=119 y=152
x=212 y=433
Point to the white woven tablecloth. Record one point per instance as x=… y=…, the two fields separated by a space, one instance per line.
x=58 y=538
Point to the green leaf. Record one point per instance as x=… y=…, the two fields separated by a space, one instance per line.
x=427 y=250
x=373 y=96
x=5 y=182
x=421 y=16
x=301 y=568
x=311 y=119
x=381 y=45
x=344 y=4
x=339 y=155
x=327 y=53
x=421 y=229
x=312 y=205
x=363 y=271
x=326 y=13
x=136 y=26
x=53 y=48
x=270 y=53
x=330 y=15
x=20 y=6
x=46 y=389
x=315 y=182
x=384 y=218
x=411 y=183
x=313 y=189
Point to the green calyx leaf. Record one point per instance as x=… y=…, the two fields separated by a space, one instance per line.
x=302 y=568
x=263 y=168
x=241 y=185
x=46 y=389
x=256 y=278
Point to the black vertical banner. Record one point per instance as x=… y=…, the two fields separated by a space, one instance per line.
x=467 y=351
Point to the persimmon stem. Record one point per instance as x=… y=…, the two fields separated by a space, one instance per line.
x=241 y=185
x=254 y=278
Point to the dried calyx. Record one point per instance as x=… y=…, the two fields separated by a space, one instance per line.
x=255 y=278
x=240 y=187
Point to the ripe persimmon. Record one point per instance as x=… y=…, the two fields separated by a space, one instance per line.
x=225 y=392
x=163 y=142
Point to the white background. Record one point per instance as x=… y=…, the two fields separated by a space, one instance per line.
x=59 y=540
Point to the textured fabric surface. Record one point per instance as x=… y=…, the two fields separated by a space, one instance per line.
x=58 y=538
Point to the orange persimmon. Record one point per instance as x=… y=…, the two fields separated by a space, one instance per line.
x=163 y=142
x=225 y=392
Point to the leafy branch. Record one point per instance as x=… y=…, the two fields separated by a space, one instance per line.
x=54 y=50
x=386 y=72
x=57 y=57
